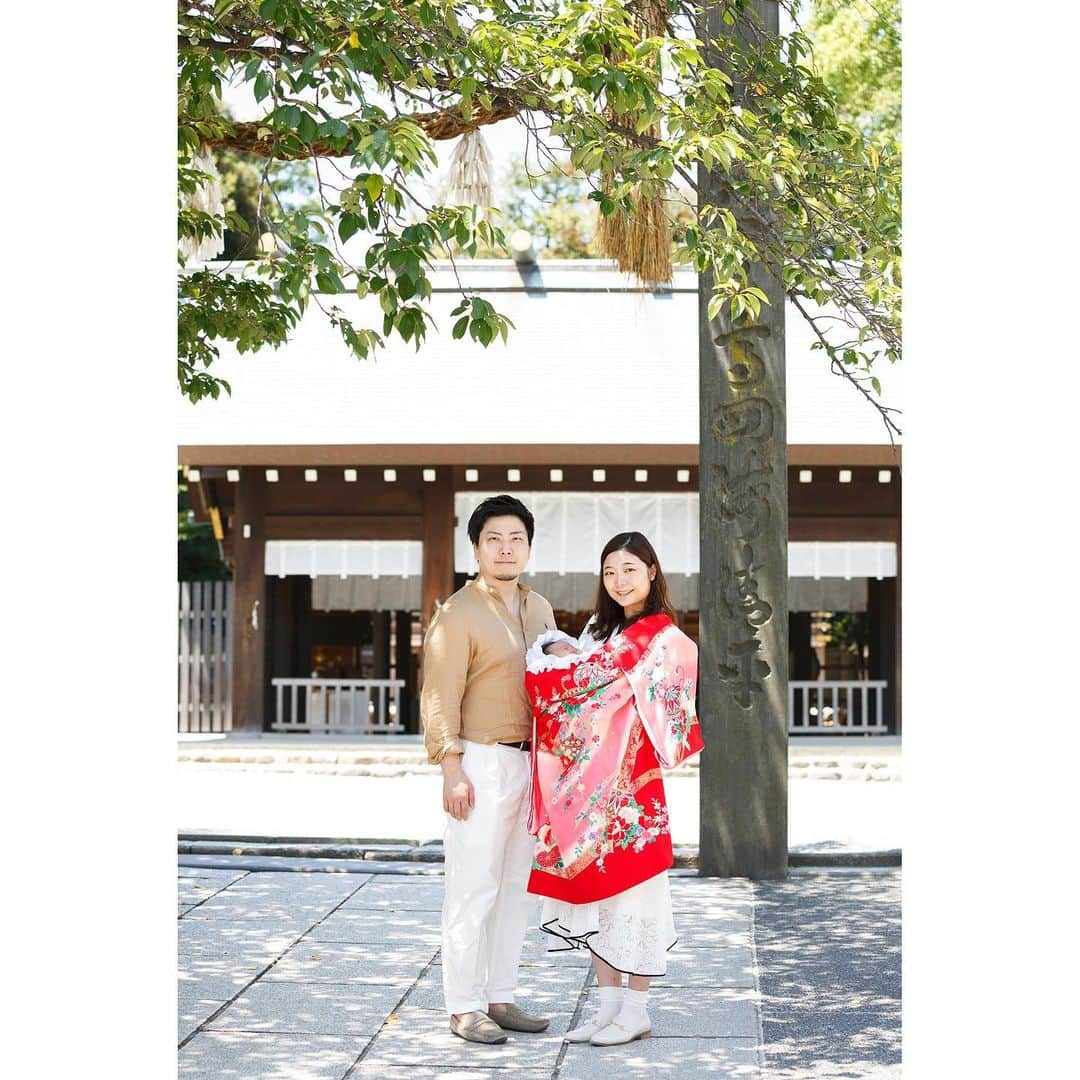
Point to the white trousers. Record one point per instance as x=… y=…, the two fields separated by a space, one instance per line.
x=488 y=859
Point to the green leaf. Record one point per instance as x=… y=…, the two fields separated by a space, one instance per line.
x=262 y=85
x=348 y=225
x=460 y=327
x=374 y=186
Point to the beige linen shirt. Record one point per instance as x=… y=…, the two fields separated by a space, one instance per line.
x=474 y=668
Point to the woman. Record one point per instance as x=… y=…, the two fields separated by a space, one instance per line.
x=608 y=711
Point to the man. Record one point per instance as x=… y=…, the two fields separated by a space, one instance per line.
x=477 y=724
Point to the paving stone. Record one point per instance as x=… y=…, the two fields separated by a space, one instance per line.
x=423 y=1072
x=700 y=1012
x=725 y=1059
x=401 y=896
x=194 y=967
x=190 y=1017
x=200 y=995
x=289 y=910
x=542 y=991
x=331 y=885
x=728 y=965
x=203 y=875
x=692 y=893
x=330 y=961
x=415 y=1036
x=711 y=935
x=319 y=1008
x=269 y=938
x=197 y=890
x=236 y=1055
x=363 y=926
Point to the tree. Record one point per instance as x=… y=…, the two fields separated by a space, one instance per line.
x=366 y=88
x=857 y=54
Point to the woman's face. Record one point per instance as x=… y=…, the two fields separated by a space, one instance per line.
x=627 y=580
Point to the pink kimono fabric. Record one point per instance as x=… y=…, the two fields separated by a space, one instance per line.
x=602 y=728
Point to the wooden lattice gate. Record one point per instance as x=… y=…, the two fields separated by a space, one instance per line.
x=205 y=656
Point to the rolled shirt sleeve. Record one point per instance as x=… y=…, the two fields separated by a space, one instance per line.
x=446 y=667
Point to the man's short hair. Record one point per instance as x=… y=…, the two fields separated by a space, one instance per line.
x=498 y=506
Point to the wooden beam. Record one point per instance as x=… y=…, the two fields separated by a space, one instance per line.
x=854 y=454
x=826 y=527
x=519 y=454
x=344 y=527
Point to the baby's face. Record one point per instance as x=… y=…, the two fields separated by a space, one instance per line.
x=560 y=648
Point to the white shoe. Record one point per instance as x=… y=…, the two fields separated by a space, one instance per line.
x=584 y=1033
x=616 y=1033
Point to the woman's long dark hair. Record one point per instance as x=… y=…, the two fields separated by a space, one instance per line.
x=609 y=614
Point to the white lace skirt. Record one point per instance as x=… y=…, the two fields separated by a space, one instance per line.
x=631 y=931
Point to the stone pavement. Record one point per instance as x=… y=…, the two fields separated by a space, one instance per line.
x=296 y=976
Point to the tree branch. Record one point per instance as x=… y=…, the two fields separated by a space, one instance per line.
x=244 y=136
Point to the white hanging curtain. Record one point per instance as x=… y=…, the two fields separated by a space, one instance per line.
x=572 y=528
x=353 y=575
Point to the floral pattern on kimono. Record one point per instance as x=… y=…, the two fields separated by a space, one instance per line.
x=603 y=727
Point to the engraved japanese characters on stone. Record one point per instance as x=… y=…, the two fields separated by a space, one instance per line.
x=744 y=493
x=747 y=418
x=746 y=367
x=744 y=612
x=742 y=511
x=745 y=674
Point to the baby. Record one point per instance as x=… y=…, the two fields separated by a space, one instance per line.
x=560 y=648
x=553 y=649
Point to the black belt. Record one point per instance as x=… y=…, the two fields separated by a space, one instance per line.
x=525 y=744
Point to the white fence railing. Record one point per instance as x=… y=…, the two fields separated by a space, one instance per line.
x=338 y=706
x=837 y=708
x=204 y=700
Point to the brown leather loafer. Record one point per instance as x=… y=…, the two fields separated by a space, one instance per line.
x=514 y=1019
x=477 y=1027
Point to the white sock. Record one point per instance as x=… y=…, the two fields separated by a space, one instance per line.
x=611 y=998
x=634 y=1012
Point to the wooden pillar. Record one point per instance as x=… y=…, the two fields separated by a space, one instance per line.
x=802 y=662
x=884 y=612
x=249 y=605
x=438 y=564
x=405 y=669
x=897 y=680
x=743 y=677
x=381 y=643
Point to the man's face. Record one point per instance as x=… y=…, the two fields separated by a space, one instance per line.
x=503 y=549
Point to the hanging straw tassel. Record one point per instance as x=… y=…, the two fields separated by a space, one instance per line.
x=207 y=198
x=640 y=242
x=469 y=181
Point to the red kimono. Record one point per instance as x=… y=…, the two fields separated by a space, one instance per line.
x=602 y=728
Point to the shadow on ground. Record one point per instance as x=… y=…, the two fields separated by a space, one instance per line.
x=828 y=946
